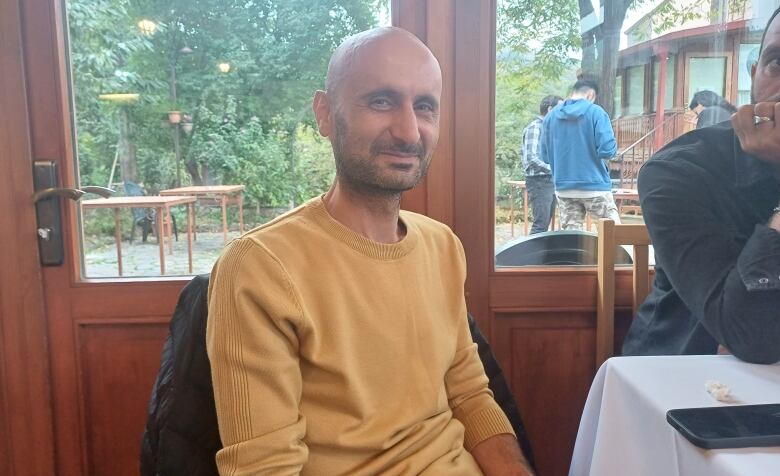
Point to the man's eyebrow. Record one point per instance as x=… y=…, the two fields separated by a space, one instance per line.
x=388 y=92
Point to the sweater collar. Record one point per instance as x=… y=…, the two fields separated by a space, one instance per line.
x=358 y=242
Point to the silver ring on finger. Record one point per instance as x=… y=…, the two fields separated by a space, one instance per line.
x=762 y=120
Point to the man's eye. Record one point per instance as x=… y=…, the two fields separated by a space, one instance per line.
x=774 y=64
x=380 y=103
x=424 y=107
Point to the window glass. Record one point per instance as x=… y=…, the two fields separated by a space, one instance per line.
x=636 y=90
x=198 y=115
x=543 y=47
x=707 y=74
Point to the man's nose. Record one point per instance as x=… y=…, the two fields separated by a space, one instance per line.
x=405 y=125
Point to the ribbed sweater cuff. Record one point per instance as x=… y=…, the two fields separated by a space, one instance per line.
x=483 y=424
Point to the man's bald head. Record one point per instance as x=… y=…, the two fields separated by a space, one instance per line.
x=381 y=111
x=359 y=50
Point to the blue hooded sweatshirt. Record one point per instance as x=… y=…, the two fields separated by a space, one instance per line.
x=577 y=139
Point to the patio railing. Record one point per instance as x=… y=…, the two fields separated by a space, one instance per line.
x=636 y=142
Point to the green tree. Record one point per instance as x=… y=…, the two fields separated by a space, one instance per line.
x=520 y=87
x=246 y=121
x=554 y=25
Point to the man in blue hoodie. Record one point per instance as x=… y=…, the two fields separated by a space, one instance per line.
x=577 y=140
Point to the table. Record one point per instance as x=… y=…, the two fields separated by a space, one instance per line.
x=223 y=194
x=623 y=430
x=162 y=205
x=626 y=195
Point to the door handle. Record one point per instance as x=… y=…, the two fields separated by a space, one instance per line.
x=102 y=191
x=47 y=209
x=72 y=193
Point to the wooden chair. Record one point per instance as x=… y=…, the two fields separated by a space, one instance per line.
x=611 y=236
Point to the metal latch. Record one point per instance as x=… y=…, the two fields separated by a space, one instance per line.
x=47 y=209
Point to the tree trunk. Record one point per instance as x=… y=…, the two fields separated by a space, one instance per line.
x=609 y=61
x=194 y=171
x=205 y=173
x=614 y=15
x=588 y=66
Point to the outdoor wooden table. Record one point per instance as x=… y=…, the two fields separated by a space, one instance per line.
x=626 y=195
x=162 y=205
x=224 y=194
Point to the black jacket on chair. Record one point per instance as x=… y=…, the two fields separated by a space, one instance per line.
x=181 y=435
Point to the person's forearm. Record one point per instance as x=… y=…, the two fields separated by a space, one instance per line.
x=536 y=159
x=500 y=455
x=741 y=313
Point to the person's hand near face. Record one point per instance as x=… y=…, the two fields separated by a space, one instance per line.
x=758 y=131
x=756 y=124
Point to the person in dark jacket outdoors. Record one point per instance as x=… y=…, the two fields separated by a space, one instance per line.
x=577 y=140
x=710 y=202
x=538 y=178
x=710 y=109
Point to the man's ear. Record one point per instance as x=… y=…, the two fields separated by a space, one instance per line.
x=321 y=107
x=753 y=68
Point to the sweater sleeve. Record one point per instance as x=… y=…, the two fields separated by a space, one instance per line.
x=252 y=341
x=469 y=397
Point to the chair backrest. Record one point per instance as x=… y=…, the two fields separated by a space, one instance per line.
x=610 y=236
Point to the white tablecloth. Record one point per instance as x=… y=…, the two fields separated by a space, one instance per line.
x=623 y=431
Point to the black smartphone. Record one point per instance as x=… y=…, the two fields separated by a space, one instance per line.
x=737 y=426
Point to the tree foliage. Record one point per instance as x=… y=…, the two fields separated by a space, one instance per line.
x=246 y=122
x=551 y=29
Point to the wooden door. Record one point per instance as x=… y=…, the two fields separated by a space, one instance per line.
x=78 y=358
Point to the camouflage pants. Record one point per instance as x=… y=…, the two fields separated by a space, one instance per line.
x=573 y=210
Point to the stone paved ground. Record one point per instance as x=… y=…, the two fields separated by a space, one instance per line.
x=143 y=259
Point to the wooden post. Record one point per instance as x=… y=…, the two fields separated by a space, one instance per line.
x=118 y=239
x=660 y=100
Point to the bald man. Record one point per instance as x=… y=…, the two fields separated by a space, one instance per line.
x=337 y=333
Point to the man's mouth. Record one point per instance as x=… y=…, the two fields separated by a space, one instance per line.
x=403 y=155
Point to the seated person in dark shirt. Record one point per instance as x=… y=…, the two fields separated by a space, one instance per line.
x=710 y=108
x=710 y=201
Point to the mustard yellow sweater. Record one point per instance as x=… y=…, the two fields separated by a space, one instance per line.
x=332 y=354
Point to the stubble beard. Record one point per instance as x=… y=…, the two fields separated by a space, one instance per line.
x=363 y=173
